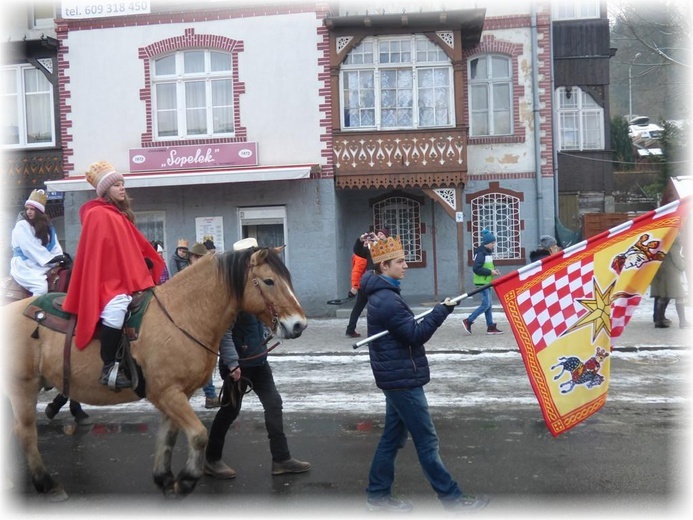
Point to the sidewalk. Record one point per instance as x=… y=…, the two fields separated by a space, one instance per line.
x=327 y=335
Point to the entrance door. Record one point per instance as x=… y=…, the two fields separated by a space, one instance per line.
x=266 y=224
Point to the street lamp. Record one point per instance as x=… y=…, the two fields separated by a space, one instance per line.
x=630 y=86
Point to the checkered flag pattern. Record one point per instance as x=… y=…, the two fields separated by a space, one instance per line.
x=622 y=309
x=550 y=308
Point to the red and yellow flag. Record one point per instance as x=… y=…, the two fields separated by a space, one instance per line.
x=565 y=309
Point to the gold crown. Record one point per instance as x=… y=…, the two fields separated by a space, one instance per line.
x=38 y=199
x=387 y=249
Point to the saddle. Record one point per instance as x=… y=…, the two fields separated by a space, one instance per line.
x=58 y=279
x=47 y=310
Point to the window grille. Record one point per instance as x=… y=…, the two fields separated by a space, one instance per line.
x=500 y=214
x=402 y=216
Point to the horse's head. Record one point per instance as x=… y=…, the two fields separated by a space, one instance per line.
x=264 y=288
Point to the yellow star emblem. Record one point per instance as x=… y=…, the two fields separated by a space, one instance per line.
x=599 y=311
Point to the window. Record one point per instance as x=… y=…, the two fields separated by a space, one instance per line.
x=580 y=120
x=490 y=95
x=193 y=95
x=392 y=83
x=575 y=9
x=500 y=214
x=42 y=14
x=27 y=101
x=152 y=224
x=401 y=215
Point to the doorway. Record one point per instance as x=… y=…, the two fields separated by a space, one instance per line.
x=266 y=224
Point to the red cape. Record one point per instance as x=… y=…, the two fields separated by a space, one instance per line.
x=109 y=261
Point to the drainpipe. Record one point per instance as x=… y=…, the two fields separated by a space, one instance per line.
x=537 y=123
x=554 y=137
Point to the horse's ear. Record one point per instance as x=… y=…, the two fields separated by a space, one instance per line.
x=258 y=257
x=279 y=249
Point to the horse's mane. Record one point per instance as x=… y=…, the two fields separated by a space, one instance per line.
x=233 y=266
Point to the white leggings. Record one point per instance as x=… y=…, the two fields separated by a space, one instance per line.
x=113 y=314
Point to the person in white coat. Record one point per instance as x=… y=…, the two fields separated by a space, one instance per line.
x=35 y=246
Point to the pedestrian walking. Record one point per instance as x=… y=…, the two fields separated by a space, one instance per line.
x=400 y=367
x=547 y=246
x=484 y=271
x=362 y=250
x=196 y=252
x=667 y=285
x=180 y=259
x=243 y=363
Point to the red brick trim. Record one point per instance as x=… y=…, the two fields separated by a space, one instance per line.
x=490 y=45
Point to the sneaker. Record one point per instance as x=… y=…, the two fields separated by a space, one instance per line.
x=493 y=329
x=661 y=325
x=389 y=504
x=218 y=469
x=353 y=334
x=466 y=504
x=466 y=324
x=212 y=402
x=290 y=466
x=51 y=411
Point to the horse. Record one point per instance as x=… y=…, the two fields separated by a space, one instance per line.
x=176 y=350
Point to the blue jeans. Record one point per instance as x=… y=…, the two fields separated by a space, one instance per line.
x=406 y=411
x=209 y=389
x=484 y=307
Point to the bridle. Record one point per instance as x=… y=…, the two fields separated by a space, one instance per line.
x=269 y=308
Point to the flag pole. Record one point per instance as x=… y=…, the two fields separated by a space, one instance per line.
x=456 y=299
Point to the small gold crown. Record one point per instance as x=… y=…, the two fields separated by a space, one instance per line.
x=387 y=249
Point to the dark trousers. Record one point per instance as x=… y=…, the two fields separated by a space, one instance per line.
x=263 y=385
x=359 y=305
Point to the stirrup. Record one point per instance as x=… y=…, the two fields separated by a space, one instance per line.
x=115 y=379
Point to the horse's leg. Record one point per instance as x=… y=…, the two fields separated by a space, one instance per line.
x=24 y=398
x=175 y=405
x=165 y=441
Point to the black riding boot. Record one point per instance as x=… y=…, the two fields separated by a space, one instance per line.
x=661 y=308
x=110 y=341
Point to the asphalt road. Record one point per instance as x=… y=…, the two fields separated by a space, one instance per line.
x=630 y=459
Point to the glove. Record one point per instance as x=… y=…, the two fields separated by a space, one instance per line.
x=57 y=260
x=449 y=304
x=149 y=262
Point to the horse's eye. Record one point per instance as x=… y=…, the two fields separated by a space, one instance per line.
x=268 y=281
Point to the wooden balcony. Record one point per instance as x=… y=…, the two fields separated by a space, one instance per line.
x=401 y=158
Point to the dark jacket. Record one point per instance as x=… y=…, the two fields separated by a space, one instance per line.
x=538 y=254
x=360 y=249
x=398 y=359
x=177 y=264
x=248 y=337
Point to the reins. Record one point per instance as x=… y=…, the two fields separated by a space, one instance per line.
x=268 y=305
x=170 y=318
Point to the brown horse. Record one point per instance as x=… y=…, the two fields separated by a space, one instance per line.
x=177 y=350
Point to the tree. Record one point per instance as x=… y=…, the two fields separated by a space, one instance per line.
x=653 y=58
x=621 y=144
